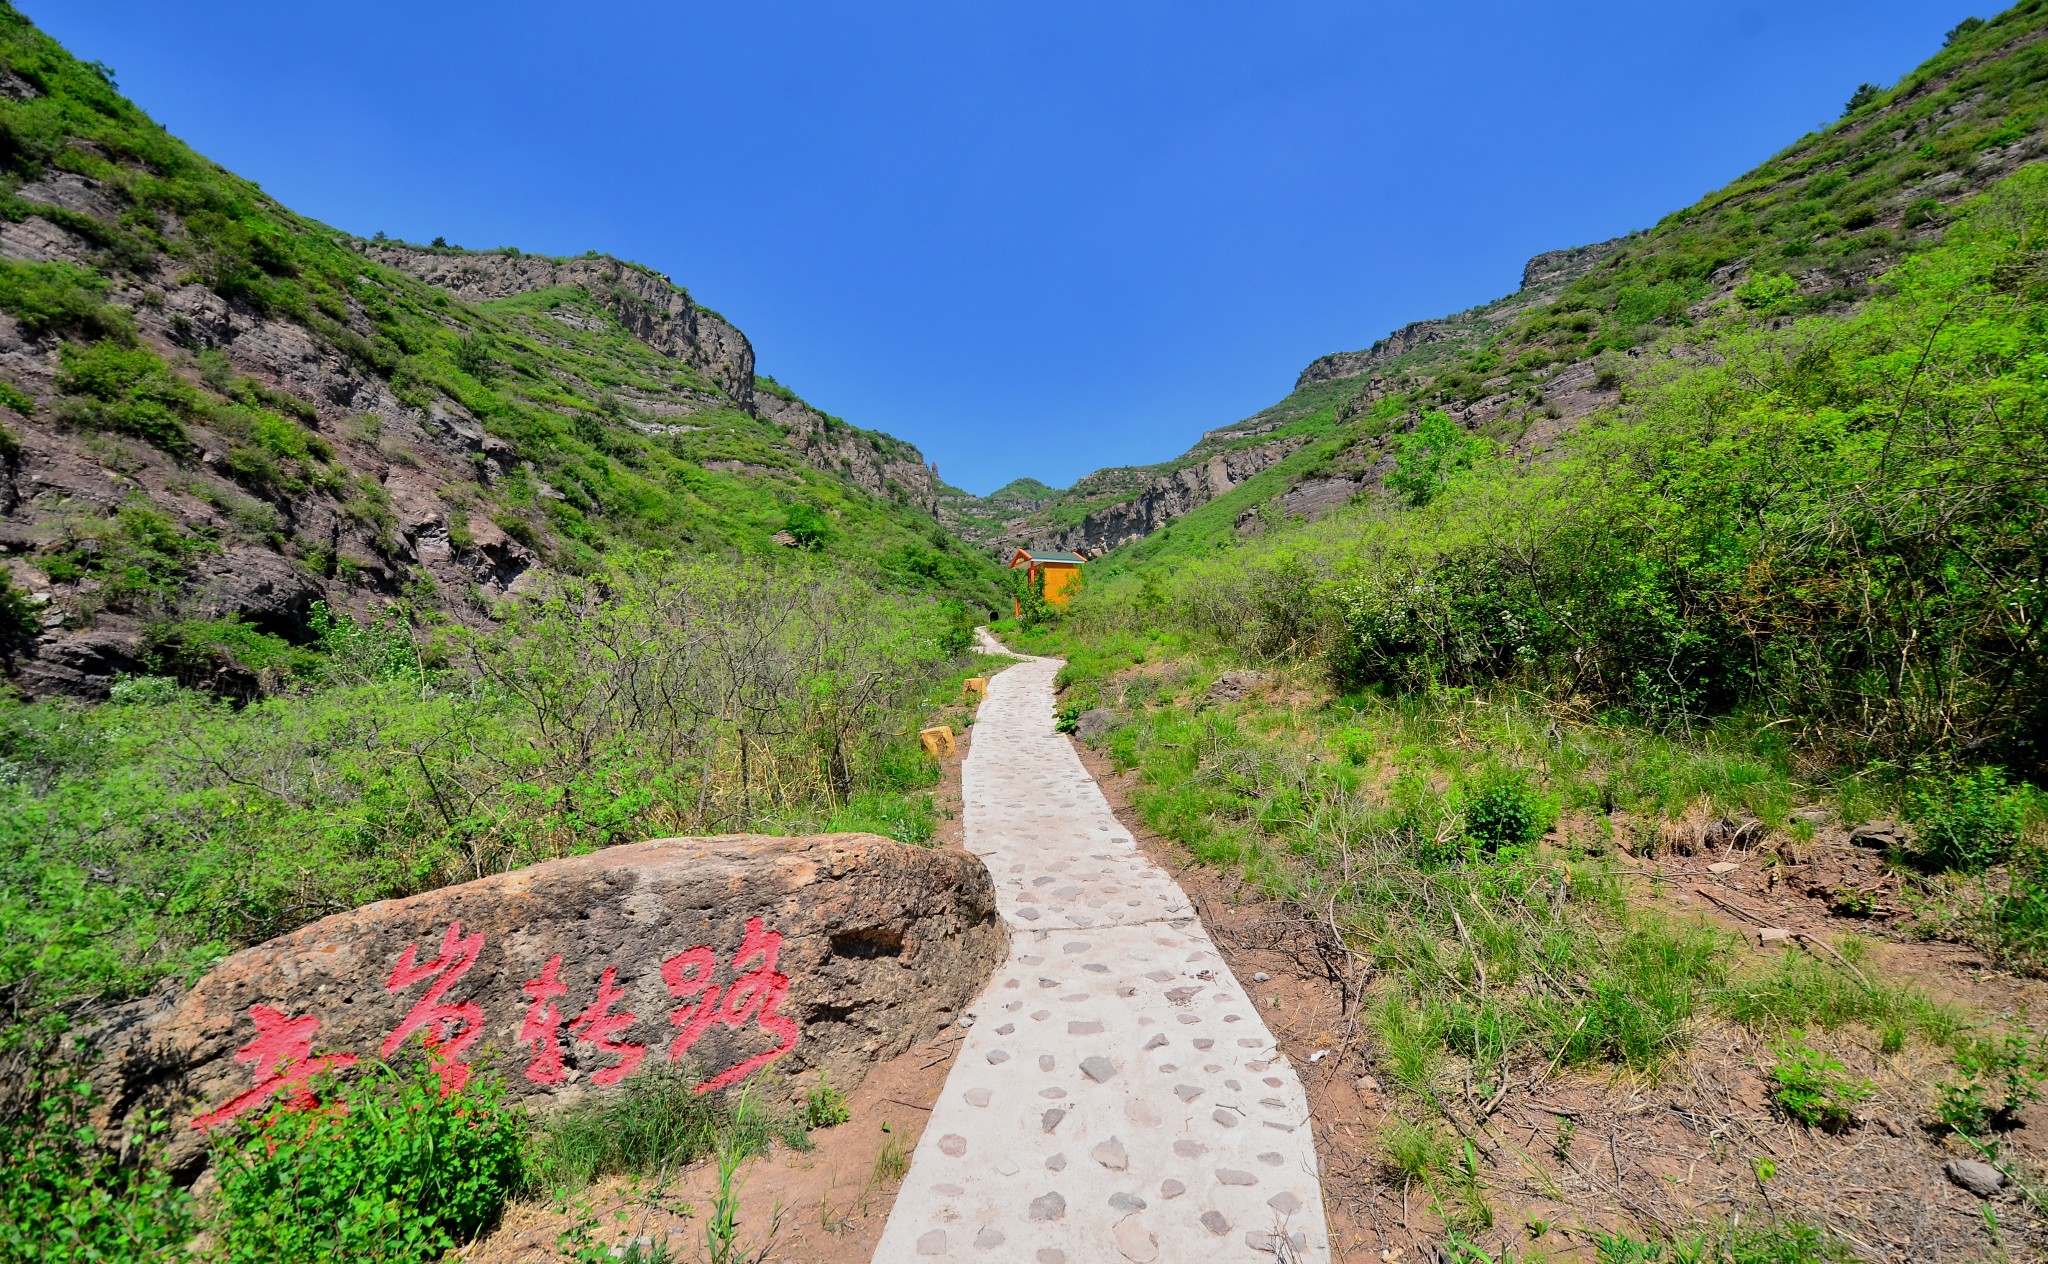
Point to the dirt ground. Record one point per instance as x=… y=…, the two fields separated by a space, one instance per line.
x=1642 y=1155
x=822 y=1206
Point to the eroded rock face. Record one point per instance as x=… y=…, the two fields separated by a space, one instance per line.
x=885 y=466
x=1163 y=499
x=741 y=958
x=657 y=310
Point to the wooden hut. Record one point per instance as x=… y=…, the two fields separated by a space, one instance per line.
x=1061 y=572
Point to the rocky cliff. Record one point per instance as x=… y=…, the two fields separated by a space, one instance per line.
x=1425 y=342
x=216 y=414
x=653 y=308
x=1160 y=501
x=874 y=462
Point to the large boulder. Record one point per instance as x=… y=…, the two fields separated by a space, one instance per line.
x=737 y=958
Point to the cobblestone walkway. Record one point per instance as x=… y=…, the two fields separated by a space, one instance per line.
x=1118 y=1096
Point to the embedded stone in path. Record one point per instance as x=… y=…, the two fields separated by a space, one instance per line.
x=1097 y=1142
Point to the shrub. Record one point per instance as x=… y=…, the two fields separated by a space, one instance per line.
x=2000 y=1076
x=1814 y=1088
x=18 y=621
x=808 y=526
x=1766 y=292
x=60 y=298
x=399 y=1173
x=1506 y=811
x=1430 y=457
x=64 y=1201
x=126 y=390
x=1969 y=820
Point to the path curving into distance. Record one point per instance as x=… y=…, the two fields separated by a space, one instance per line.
x=1117 y=1097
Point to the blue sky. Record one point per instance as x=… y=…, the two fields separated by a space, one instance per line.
x=1032 y=238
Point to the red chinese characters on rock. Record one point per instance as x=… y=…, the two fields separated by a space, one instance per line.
x=753 y=995
x=283 y=1054
x=542 y=1028
x=447 y=1029
x=282 y=1051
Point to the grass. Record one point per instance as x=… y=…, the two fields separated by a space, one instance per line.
x=1408 y=822
x=892 y=1164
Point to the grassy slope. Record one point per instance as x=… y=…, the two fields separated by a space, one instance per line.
x=1854 y=438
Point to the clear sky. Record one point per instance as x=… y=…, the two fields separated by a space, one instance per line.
x=1032 y=238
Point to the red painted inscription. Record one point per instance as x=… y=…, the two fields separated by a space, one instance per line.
x=283 y=1054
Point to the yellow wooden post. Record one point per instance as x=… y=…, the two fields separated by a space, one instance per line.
x=937 y=742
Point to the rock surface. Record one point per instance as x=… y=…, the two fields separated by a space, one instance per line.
x=1093 y=723
x=1234 y=686
x=737 y=956
x=1981 y=1179
x=1160 y=501
x=655 y=309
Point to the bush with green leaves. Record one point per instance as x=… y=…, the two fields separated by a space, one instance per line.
x=66 y=1200
x=143 y=838
x=1814 y=1087
x=807 y=526
x=388 y=1169
x=1968 y=820
x=1431 y=457
x=1504 y=811
x=2001 y=1075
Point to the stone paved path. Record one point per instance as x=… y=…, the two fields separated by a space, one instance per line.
x=1117 y=1097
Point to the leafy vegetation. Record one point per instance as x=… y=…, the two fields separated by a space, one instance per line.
x=64 y=1197
x=401 y=1173
x=144 y=837
x=2001 y=1074
x=1410 y=823
x=1814 y=1088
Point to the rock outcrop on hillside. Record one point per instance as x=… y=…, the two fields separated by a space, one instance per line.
x=397 y=487
x=1165 y=498
x=653 y=308
x=1137 y=506
x=739 y=958
x=1542 y=278
x=877 y=463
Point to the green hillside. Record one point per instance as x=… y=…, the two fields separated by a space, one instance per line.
x=1693 y=592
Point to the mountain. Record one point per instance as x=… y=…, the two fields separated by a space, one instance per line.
x=1808 y=231
x=219 y=413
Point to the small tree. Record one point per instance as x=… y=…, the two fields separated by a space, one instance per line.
x=809 y=527
x=1430 y=457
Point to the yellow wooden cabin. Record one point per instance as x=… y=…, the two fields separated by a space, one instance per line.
x=1060 y=571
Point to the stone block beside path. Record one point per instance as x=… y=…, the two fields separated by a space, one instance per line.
x=741 y=958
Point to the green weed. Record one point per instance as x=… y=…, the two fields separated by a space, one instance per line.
x=1814 y=1088
x=2000 y=1076
x=64 y=1199
x=402 y=1174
